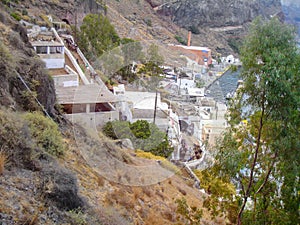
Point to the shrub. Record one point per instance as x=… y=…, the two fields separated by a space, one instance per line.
x=16 y=16
x=3 y=159
x=194 y=29
x=45 y=19
x=7 y=61
x=60 y=187
x=24 y=12
x=200 y=83
x=46 y=133
x=148 y=22
x=235 y=44
x=15 y=140
x=78 y=217
x=148 y=155
x=143 y=135
x=188 y=214
x=163 y=161
x=180 y=40
x=15 y=40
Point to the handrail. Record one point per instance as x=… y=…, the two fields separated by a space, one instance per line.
x=57 y=36
x=193 y=175
x=71 y=57
x=70 y=70
x=86 y=62
x=77 y=67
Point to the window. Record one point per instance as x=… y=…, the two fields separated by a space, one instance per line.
x=56 y=50
x=41 y=49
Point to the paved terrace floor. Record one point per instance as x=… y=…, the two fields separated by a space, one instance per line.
x=84 y=94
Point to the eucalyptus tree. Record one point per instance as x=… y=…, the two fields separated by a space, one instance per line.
x=260 y=149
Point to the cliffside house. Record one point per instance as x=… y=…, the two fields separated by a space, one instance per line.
x=51 y=50
x=82 y=102
x=88 y=104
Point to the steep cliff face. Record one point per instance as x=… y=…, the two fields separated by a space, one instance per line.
x=212 y=13
x=71 y=11
x=22 y=73
x=291 y=11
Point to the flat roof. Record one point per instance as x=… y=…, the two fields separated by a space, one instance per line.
x=82 y=94
x=46 y=43
x=192 y=47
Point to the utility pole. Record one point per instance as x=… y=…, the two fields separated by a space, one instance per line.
x=155 y=106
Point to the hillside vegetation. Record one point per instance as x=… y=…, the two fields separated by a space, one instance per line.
x=48 y=172
x=56 y=172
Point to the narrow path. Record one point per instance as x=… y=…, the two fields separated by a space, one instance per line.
x=160 y=6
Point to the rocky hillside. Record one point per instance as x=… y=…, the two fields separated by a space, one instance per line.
x=216 y=24
x=203 y=13
x=58 y=173
x=22 y=75
x=53 y=172
x=161 y=21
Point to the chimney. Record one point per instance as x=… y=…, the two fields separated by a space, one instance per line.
x=189 y=38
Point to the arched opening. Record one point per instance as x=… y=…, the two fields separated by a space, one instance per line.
x=66 y=21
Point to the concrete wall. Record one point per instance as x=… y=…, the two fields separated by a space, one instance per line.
x=195 y=54
x=53 y=61
x=67 y=80
x=212 y=130
x=93 y=120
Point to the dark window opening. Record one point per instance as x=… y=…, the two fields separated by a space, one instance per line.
x=41 y=49
x=100 y=107
x=76 y=108
x=56 y=50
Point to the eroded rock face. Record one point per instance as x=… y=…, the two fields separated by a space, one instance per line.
x=291 y=11
x=215 y=13
x=18 y=62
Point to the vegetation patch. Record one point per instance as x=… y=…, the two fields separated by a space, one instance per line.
x=3 y=160
x=163 y=161
x=46 y=133
x=188 y=214
x=144 y=135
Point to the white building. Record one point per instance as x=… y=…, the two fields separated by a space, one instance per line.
x=50 y=50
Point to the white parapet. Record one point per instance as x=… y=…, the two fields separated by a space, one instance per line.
x=77 y=67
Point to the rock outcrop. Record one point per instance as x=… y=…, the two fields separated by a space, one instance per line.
x=22 y=74
x=212 y=13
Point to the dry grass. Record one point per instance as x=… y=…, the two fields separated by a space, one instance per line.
x=148 y=191
x=3 y=161
x=182 y=191
x=100 y=181
x=148 y=155
x=163 y=161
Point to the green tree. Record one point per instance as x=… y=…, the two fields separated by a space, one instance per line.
x=97 y=35
x=154 y=56
x=132 y=52
x=144 y=135
x=260 y=150
x=111 y=61
x=151 y=69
